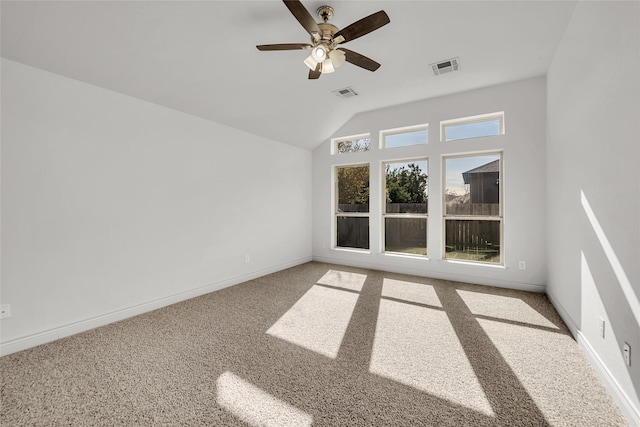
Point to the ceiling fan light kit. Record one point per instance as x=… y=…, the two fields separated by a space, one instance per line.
x=325 y=57
x=319 y=53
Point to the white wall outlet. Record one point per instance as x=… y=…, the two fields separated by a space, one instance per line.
x=5 y=311
x=626 y=353
x=601 y=327
x=522 y=265
x=247 y=258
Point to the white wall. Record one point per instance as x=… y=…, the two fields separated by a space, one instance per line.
x=112 y=206
x=593 y=160
x=523 y=183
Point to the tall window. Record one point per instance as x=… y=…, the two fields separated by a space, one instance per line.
x=352 y=206
x=473 y=208
x=405 y=211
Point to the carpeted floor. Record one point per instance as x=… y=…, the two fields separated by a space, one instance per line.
x=318 y=344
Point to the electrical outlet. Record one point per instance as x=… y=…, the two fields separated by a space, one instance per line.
x=5 y=311
x=601 y=327
x=247 y=258
x=522 y=265
x=626 y=353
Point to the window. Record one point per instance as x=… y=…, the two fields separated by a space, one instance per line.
x=473 y=207
x=405 y=208
x=352 y=206
x=472 y=127
x=404 y=137
x=351 y=144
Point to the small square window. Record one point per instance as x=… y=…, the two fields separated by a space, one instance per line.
x=352 y=232
x=473 y=240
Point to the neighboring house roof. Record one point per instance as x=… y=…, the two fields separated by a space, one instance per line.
x=487 y=168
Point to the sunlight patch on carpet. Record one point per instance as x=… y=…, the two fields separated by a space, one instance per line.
x=343 y=279
x=418 y=347
x=255 y=406
x=562 y=388
x=502 y=307
x=410 y=292
x=318 y=320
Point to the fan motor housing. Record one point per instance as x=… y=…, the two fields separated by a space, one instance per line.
x=328 y=30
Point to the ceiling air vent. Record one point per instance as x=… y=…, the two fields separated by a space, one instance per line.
x=445 y=66
x=347 y=92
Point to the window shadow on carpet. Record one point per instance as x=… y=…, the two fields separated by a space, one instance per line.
x=317 y=344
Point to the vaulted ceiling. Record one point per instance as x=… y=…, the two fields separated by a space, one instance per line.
x=200 y=57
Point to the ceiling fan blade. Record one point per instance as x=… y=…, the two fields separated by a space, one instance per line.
x=284 y=46
x=303 y=16
x=360 y=60
x=364 y=26
x=315 y=74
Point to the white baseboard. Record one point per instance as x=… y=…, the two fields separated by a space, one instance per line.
x=622 y=399
x=627 y=407
x=457 y=277
x=573 y=328
x=33 y=340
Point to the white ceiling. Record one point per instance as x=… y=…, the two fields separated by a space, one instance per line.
x=200 y=57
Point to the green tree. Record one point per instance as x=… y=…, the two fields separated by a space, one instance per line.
x=406 y=184
x=353 y=186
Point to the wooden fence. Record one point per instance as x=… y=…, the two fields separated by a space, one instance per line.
x=353 y=232
x=484 y=209
x=477 y=236
x=401 y=232
x=472 y=235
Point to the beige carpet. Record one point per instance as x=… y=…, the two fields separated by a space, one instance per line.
x=318 y=344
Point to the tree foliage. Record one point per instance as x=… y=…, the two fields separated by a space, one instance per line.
x=406 y=184
x=353 y=146
x=353 y=185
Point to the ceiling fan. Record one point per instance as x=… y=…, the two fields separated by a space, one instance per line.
x=327 y=54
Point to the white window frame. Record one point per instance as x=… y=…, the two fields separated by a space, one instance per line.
x=470 y=120
x=337 y=213
x=406 y=129
x=385 y=215
x=336 y=141
x=449 y=217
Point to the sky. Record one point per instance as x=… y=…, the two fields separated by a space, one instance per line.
x=404 y=139
x=472 y=130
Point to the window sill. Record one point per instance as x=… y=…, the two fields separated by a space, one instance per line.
x=475 y=264
x=406 y=256
x=352 y=250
